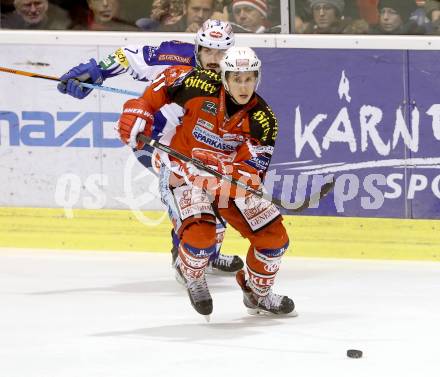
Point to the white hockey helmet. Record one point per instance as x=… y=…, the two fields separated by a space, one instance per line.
x=214 y=34
x=240 y=59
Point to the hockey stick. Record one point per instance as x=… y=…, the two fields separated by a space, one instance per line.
x=84 y=84
x=289 y=207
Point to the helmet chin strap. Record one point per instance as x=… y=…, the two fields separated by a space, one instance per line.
x=233 y=99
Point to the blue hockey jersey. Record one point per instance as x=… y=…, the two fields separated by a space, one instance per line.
x=145 y=63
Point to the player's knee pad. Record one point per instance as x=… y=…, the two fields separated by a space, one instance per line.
x=262 y=267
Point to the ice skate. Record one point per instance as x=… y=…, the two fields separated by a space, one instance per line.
x=271 y=303
x=198 y=293
x=225 y=264
x=177 y=273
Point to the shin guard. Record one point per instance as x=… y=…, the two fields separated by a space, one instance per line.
x=262 y=267
x=193 y=261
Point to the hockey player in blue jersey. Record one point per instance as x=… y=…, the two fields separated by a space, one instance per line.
x=145 y=63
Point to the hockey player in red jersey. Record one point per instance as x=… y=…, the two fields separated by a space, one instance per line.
x=144 y=63
x=228 y=126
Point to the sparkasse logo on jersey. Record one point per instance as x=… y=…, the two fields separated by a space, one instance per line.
x=215 y=141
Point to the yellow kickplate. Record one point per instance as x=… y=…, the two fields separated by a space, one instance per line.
x=86 y=229
x=310 y=236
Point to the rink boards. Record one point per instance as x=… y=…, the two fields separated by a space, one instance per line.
x=360 y=109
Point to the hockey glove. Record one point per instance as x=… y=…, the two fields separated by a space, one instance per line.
x=201 y=178
x=135 y=119
x=225 y=166
x=196 y=177
x=85 y=72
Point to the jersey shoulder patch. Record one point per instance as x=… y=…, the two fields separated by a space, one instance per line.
x=192 y=84
x=174 y=75
x=202 y=83
x=263 y=123
x=121 y=58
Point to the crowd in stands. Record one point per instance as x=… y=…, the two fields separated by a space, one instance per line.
x=415 y=17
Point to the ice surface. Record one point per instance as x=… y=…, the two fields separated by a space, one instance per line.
x=93 y=314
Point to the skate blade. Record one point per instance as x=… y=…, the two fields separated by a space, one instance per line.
x=207 y=318
x=259 y=311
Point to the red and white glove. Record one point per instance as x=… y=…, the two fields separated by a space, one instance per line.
x=134 y=120
x=225 y=166
x=202 y=178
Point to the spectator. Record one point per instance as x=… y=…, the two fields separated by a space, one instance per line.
x=221 y=10
x=250 y=16
x=299 y=26
x=163 y=12
x=328 y=18
x=36 y=14
x=432 y=11
x=352 y=10
x=103 y=17
x=196 y=12
x=302 y=16
x=302 y=10
x=394 y=18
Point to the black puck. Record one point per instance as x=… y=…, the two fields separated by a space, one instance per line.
x=354 y=354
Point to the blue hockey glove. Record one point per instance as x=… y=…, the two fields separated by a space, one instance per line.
x=85 y=72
